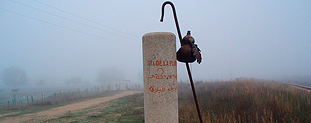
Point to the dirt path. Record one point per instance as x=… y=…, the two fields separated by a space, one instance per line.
x=60 y=111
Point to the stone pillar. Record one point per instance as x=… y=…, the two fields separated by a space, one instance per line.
x=160 y=78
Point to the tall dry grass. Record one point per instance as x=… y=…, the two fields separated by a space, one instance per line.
x=245 y=101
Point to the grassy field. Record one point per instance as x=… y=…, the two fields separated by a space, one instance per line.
x=233 y=101
x=52 y=102
x=246 y=101
x=35 y=94
x=241 y=101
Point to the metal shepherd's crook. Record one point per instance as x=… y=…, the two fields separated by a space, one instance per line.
x=194 y=50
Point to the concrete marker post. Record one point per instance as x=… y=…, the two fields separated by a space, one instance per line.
x=160 y=77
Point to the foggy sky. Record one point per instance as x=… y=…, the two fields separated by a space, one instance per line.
x=260 y=39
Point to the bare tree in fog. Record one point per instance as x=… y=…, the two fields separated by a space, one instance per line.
x=41 y=82
x=110 y=75
x=14 y=76
x=74 y=80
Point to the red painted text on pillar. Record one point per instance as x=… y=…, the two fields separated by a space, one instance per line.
x=162 y=63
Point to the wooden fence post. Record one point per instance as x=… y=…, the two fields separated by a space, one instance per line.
x=13 y=102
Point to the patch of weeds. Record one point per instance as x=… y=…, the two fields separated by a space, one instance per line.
x=125 y=109
x=70 y=117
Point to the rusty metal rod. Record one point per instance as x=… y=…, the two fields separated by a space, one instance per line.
x=187 y=64
x=194 y=94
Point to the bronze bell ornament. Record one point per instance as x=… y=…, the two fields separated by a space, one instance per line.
x=189 y=52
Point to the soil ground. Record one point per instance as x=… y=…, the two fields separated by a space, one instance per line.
x=63 y=110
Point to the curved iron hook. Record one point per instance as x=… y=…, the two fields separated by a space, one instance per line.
x=175 y=17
